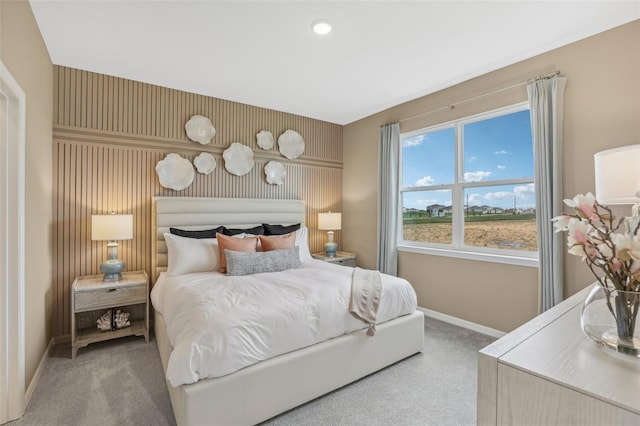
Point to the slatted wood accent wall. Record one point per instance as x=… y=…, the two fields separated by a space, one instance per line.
x=109 y=133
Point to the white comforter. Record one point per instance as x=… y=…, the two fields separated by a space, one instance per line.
x=218 y=324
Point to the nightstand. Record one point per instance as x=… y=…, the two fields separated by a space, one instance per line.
x=91 y=297
x=341 y=258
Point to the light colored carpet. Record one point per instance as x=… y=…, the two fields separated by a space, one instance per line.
x=121 y=383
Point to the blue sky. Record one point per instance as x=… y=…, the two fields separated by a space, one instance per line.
x=495 y=149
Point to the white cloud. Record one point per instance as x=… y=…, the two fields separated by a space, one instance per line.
x=503 y=152
x=501 y=167
x=476 y=176
x=424 y=203
x=475 y=199
x=414 y=141
x=472 y=159
x=500 y=195
x=427 y=180
x=525 y=191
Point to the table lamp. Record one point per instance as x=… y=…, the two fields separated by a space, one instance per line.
x=112 y=227
x=617 y=174
x=330 y=222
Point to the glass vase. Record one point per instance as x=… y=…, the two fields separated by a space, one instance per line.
x=609 y=319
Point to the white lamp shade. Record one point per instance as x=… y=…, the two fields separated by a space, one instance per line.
x=111 y=227
x=330 y=221
x=617 y=173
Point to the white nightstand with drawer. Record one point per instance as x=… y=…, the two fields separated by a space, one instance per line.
x=343 y=258
x=91 y=296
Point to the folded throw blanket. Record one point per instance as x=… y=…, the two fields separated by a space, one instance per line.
x=366 y=287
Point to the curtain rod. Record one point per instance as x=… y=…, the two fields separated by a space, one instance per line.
x=493 y=92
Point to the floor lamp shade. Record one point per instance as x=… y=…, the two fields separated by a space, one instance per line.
x=330 y=222
x=617 y=175
x=112 y=227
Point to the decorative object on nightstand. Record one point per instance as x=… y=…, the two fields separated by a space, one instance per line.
x=95 y=301
x=113 y=319
x=608 y=244
x=112 y=227
x=343 y=258
x=330 y=222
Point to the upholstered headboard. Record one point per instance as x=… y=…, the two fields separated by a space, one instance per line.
x=206 y=213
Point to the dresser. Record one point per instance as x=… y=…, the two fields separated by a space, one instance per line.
x=547 y=372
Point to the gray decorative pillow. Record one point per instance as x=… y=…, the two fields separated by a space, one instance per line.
x=247 y=263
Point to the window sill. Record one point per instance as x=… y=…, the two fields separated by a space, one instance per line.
x=509 y=259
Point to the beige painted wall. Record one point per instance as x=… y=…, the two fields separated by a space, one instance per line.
x=602 y=110
x=25 y=55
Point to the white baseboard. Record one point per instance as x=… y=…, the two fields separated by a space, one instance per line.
x=37 y=374
x=462 y=323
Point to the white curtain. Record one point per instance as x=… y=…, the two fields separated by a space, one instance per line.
x=388 y=198
x=546 y=102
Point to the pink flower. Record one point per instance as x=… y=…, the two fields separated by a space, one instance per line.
x=578 y=232
x=561 y=222
x=584 y=205
x=626 y=248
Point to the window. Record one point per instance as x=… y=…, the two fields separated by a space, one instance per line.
x=468 y=185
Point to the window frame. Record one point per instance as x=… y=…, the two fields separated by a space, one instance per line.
x=457 y=248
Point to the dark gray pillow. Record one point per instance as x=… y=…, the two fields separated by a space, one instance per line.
x=205 y=233
x=247 y=263
x=279 y=229
x=257 y=230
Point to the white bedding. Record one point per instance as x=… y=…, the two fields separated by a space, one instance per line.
x=218 y=324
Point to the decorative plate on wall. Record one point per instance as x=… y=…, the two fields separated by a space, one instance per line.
x=265 y=139
x=238 y=159
x=199 y=129
x=205 y=163
x=275 y=173
x=291 y=144
x=175 y=172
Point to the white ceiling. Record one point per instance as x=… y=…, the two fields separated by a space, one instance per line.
x=380 y=53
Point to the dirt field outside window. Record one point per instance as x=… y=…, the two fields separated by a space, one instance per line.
x=503 y=234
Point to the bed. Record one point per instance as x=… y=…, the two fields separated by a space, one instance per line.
x=263 y=390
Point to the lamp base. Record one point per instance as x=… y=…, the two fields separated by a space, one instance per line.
x=330 y=248
x=112 y=269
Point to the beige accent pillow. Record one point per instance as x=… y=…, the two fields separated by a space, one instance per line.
x=248 y=244
x=277 y=242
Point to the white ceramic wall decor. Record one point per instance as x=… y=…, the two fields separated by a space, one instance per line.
x=199 y=129
x=205 y=163
x=238 y=159
x=175 y=172
x=275 y=173
x=265 y=139
x=291 y=144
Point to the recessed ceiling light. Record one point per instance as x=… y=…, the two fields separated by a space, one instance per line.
x=321 y=27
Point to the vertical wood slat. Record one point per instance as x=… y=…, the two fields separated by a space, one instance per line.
x=126 y=106
x=96 y=178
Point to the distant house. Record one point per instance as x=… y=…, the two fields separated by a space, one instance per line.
x=493 y=210
x=438 y=210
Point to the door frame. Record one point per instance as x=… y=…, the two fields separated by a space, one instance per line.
x=12 y=224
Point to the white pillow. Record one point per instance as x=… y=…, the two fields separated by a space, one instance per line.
x=188 y=255
x=302 y=241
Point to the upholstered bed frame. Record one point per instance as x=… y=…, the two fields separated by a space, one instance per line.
x=270 y=387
